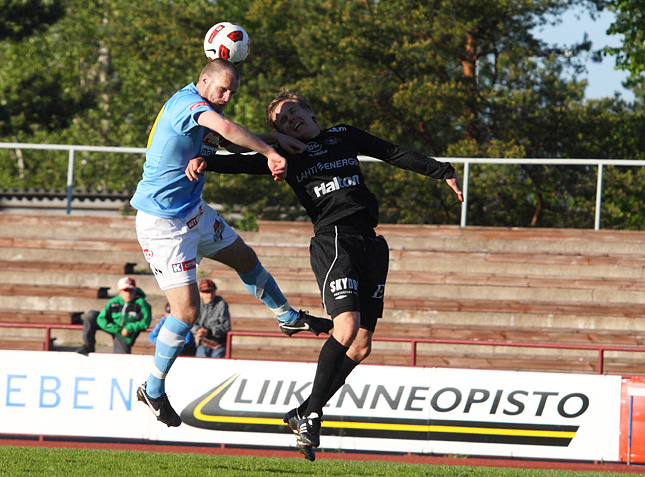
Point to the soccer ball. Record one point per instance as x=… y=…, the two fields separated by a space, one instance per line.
x=228 y=41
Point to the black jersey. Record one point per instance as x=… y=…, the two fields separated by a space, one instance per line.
x=327 y=177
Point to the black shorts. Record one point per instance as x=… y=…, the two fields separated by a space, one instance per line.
x=351 y=268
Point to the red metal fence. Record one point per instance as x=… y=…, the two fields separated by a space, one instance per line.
x=600 y=349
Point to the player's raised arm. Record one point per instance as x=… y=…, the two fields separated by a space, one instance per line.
x=243 y=137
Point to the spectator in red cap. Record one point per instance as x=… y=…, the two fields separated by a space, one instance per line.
x=124 y=317
x=213 y=324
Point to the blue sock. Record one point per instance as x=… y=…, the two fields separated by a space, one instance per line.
x=261 y=284
x=170 y=342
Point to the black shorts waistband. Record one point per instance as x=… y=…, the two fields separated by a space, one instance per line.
x=346 y=229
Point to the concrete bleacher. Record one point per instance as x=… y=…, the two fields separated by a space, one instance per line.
x=568 y=287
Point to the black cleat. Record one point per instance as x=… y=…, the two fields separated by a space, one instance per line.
x=307 y=322
x=306 y=450
x=309 y=428
x=291 y=419
x=160 y=407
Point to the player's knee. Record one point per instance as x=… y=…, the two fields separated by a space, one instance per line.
x=244 y=259
x=358 y=352
x=346 y=326
x=187 y=314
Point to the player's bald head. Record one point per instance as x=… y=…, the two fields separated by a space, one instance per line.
x=218 y=66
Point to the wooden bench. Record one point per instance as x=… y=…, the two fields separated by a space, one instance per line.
x=49 y=290
x=526 y=361
x=77 y=220
x=41 y=316
x=22 y=344
x=480 y=333
x=126 y=268
x=527 y=280
x=272 y=353
x=500 y=333
x=628 y=310
x=72 y=243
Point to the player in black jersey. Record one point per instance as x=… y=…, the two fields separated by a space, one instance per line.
x=349 y=260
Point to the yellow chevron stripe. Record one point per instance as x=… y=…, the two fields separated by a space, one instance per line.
x=376 y=426
x=397 y=427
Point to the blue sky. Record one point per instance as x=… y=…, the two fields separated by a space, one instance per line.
x=602 y=77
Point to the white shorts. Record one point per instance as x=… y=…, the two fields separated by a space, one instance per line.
x=174 y=247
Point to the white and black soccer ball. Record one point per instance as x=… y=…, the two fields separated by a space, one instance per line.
x=228 y=41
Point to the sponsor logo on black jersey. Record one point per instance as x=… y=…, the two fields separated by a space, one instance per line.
x=336 y=183
x=324 y=166
x=313 y=147
x=337 y=129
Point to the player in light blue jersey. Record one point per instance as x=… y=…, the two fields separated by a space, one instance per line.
x=176 y=229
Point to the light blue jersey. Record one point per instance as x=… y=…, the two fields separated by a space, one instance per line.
x=175 y=139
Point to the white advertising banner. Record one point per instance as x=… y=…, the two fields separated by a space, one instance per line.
x=380 y=408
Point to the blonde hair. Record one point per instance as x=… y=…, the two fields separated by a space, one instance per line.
x=282 y=97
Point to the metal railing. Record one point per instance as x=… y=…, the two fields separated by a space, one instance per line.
x=48 y=327
x=466 y=161
x=71 y=155
x=414 y=342
x=600 y=349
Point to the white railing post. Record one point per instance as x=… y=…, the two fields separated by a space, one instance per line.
x=464 y=204
x=455 y=160
x=598 y=196
x=70 y=179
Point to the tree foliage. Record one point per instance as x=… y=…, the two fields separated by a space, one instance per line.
x=630 y=22
x=448 y=78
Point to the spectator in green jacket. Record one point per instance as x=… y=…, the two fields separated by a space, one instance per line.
x=124 y=317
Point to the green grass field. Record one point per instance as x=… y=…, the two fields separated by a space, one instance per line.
x=32 y=461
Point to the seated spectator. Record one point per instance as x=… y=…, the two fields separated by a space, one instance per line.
x=189 y=344
x=124 y=317
x=213 y=324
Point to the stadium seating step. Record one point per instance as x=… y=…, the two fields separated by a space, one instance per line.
x=125 y=268
x=41 y=316
x=50 y=290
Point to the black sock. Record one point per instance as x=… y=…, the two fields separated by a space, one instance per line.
x=330 y=361
x=346 y=368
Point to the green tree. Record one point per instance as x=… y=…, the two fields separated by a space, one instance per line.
x=22 y=18
x=630 y=22
x=454 y=78
x=446 y=77
x=98 y=76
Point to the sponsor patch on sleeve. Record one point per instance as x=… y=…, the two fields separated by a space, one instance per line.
x=197 y=105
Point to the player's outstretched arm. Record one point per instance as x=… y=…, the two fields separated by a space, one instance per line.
x=243 y=137
x=288 y=143
x=228 y=164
